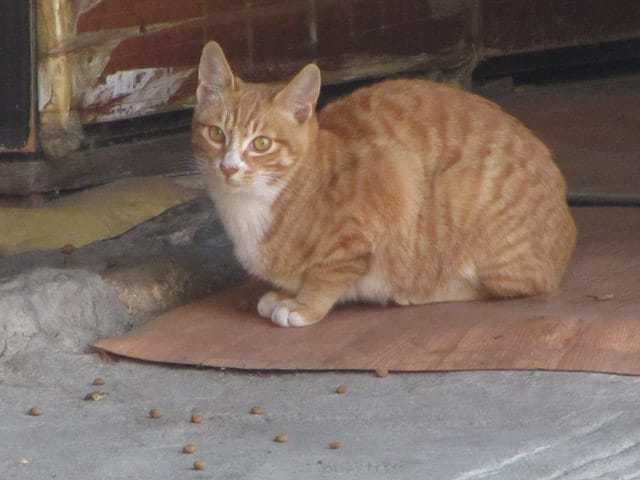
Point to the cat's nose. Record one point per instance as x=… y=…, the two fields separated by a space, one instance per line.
x=228 y=171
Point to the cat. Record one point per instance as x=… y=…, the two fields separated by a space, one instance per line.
x=404 y=192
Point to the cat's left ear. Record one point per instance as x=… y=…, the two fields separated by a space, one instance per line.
x=214 y=73
x=301 y=94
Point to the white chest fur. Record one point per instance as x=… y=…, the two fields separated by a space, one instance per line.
x=246 y=219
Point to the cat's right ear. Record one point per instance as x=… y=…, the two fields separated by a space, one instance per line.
x=214 y=73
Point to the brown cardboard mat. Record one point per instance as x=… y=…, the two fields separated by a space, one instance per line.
x=591 y=324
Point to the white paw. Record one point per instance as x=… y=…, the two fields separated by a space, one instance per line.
x=281 y=311
x=285 y=318
x=284 y=311
x=267 y=304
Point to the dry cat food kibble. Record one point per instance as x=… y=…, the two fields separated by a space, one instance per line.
x=95 y=396
x=98 y=382
x=196 y=418
x=67 y=249
x=341 y=389
x=154 y=413
x=35 y=411
x=257 y=411
x=281 y=439
x=199 y=465
x=190 y=448
x=334 y=445
x=382 y=372
x=112 y=262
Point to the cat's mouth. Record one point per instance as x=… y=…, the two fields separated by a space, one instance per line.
x=233 y=181
x=237 y=180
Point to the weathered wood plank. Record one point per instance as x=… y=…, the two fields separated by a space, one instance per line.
x=166 y=155
x=511 y=27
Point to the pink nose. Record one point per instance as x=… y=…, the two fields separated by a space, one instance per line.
x=227 y=171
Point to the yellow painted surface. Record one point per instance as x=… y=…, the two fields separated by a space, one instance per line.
x=94 y=214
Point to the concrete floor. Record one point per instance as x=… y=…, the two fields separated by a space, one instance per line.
x=462 y=426
x=474 y=425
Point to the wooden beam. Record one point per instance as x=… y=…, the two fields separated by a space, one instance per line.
x=160 y=156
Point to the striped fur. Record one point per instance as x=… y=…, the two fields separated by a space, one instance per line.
x=405 y=192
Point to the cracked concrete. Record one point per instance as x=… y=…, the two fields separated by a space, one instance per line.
x=68 y=326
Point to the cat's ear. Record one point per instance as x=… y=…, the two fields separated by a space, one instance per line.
x=214 y=74
x=301 y=94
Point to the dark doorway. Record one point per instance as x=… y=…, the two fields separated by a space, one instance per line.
x=16 y=61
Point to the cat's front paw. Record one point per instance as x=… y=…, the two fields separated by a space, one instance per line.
x=286 y=312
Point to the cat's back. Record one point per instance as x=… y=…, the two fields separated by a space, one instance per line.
x=422 y=124
x=409 y=107
x=467 y=175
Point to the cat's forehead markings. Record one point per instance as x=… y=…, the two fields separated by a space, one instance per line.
x=248 y=106
x=254 y=127
x=228 y=119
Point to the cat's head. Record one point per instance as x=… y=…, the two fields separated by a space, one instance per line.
x=250 y=137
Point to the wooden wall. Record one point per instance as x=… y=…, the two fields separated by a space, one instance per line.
x=103 y=60
x=523 y=26
x=106 y=60
x=131 y=58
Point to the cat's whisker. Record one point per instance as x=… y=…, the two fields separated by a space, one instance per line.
x=189 y=165
x=270 y=181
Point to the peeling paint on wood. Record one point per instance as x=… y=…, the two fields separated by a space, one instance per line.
x=133 y=92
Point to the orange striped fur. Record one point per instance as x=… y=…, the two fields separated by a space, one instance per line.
x=405 y=192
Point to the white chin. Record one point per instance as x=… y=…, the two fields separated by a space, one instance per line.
x=232 y=182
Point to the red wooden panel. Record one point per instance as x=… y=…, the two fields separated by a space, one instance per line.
x=109 y=14
x=529 y=25
x=175 y=47
x=392 y=28
x=227 y=23
x=281 y=39
x=265 y=40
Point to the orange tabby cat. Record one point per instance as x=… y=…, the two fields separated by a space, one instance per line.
x=407 y=192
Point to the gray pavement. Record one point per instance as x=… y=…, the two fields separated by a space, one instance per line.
x=463 y=426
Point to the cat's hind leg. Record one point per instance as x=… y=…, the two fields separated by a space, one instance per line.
x=456 y=290
x=519 y=279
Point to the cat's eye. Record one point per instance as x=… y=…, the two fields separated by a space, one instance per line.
x=216 y=134
x=261 y=144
